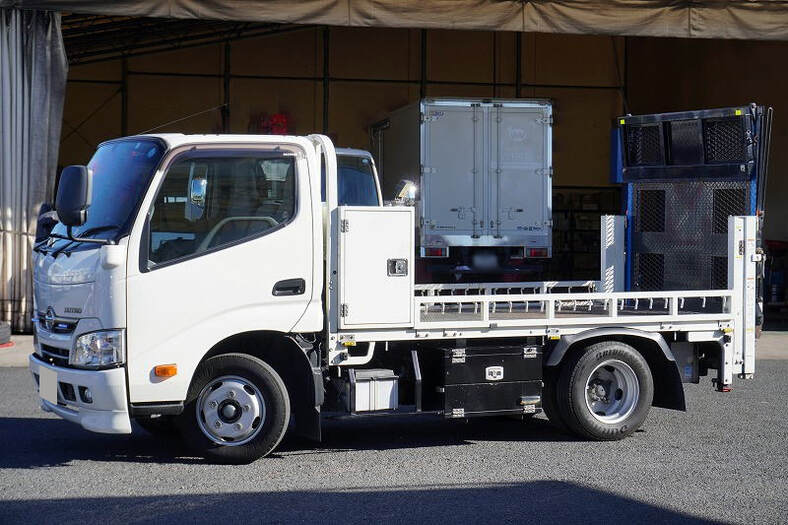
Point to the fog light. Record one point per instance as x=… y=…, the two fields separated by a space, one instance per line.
x=85 y=394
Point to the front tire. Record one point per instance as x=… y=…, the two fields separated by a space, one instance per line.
x=237 y=409
x=605 y=392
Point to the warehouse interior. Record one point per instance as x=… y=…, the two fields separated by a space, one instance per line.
x=131 y=74
x=342 y=81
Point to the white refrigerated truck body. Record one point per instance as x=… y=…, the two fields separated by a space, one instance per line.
x=484 y=168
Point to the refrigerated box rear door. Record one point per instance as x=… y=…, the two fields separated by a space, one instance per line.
x=451 y=159
x=518 y=188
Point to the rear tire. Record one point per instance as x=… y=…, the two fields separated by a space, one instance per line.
x=605 y=392
x=236 y=411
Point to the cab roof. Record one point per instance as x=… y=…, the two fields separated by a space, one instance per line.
x=174 y=140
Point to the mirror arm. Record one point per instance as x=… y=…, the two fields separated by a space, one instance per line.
x=82 y=239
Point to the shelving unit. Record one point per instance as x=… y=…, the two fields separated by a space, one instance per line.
x=576 y=213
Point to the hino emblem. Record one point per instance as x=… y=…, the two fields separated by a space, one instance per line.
x=49 y=318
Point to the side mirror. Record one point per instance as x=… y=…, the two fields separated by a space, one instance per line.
x=405 y=193
x=197 y=190
x=74 y=194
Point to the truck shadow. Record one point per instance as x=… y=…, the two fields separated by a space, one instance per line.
x=48 y=442
x=395 y=432
x=539 y=501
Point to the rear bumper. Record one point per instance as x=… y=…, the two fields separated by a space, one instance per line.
x=107 y=414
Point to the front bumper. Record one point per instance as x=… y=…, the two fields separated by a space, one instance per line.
x=108 y=413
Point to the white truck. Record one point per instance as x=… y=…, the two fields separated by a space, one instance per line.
x=484 y=171
x=200 y=282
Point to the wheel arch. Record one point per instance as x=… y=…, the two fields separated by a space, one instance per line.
x=297 y=363
x=668 y=388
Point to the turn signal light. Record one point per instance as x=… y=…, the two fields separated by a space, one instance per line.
x=165 y=370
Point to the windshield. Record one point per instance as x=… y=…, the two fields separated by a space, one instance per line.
x=121 y=171
x=356 y=182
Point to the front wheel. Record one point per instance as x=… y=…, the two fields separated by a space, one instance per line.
x=237 y=409
x=605 y=392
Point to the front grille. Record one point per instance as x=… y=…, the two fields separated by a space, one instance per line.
x=53 y=355
x=61 y=326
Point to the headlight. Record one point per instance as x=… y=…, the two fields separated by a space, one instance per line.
x=98 y=350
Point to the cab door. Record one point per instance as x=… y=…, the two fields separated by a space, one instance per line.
x=226 y=247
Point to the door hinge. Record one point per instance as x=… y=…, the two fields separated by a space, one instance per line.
x=344 y=226
x=457 y=355
x=343 y=310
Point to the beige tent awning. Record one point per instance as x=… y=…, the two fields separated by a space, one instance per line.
x=741 y=19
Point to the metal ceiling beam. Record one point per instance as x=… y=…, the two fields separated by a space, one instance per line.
x=90 y=39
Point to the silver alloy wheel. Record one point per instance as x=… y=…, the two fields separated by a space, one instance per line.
x=230 y=410
x=612 y=391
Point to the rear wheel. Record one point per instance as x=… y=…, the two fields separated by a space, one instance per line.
x=605 y=392
x=236 y=411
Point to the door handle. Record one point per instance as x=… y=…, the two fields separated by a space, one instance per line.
x=290 y=287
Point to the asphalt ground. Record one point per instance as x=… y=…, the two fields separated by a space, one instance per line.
x=725 y=460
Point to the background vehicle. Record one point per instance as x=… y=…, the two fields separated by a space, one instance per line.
x=189 y=286
x=484 y=171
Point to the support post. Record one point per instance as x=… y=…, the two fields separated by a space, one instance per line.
x=124 y=97
x=423 y=77
x=226 y=76
x=326 y=79
x=518 y=81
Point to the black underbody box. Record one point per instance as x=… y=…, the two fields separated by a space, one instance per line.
x=489 y=380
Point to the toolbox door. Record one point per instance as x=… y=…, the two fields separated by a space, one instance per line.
x=376 y=266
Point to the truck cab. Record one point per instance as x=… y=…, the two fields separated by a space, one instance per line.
x=187 y=241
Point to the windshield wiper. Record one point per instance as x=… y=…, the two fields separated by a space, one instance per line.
x=83 y=238
x=91 y=231
x=74 y=240
x=38 y=246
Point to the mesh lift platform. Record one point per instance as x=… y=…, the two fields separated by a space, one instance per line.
x=684 y=174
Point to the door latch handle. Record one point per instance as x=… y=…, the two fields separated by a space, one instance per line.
x=289 y=287
x=397 y=267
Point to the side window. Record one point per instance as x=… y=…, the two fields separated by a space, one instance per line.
x=207 y=202
x=356 y=184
